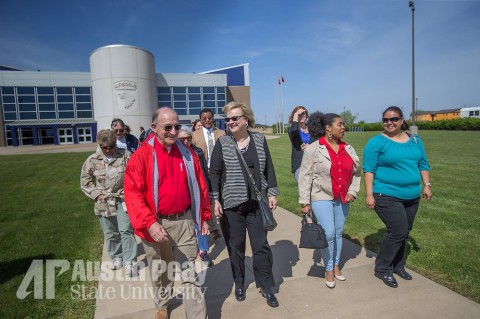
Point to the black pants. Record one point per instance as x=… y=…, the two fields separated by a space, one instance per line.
x=235 y=222
x=398 y=215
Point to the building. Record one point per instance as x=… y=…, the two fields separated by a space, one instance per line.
x=428 y=116
x=470 y=112
x=69 y=107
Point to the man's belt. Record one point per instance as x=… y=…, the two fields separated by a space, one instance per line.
x=174 y=216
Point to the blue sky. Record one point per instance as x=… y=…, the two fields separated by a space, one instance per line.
x=333 y=54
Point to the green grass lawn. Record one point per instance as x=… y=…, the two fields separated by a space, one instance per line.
x=44 y=215
x=445 y=240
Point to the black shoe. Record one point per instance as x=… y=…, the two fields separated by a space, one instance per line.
x=271 y=299
x=240 y=294
x=387 y=280
x=403 y=274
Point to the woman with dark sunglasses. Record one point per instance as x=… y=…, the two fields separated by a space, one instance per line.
x=235 y=200
x=394 y=163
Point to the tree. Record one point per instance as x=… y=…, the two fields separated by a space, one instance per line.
x=348 y=117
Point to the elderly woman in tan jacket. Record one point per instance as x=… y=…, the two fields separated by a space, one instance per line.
x=101 y=179
x=329 y=180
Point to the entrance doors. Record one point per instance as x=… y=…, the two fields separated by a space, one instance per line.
x=65 y=135
x=84 y=134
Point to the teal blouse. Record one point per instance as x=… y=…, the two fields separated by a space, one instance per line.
x=396 y=166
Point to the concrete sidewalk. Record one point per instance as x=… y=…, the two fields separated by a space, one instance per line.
x=301 y=287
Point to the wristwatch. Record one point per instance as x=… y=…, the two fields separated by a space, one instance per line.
x=428 y=184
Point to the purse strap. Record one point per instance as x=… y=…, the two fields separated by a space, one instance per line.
x=259 y=194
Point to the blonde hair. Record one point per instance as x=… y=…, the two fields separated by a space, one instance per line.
x=247 y=111
x=106 y=138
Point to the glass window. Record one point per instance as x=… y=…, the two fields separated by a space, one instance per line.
x=64 y=98
x=208 y=89
x=84 y=114
x=82 y=90
x=28 y=115
x=8 y=90
x=46 y=107
x=209 y=104
x=27 y=107
x=9 y=108
x=195 y=105
x=221 y=96
x=179 y=89
x=209 y=97
x=46 y=98
x=47 y=115
x=10 y=116
x=83 y=98
x=194 y=97
x=44 y=90
x=194 y=89
x=179 y=97
x=181 y=111
x=8 y=99
x=181 y=105
x=66 y=115
x=163 y=89
x=26 y=99
x=64 y=90
x=164 y=103
x=164 y=97
x=25 y=90
x=84 y=106
x=221 y=89
x=65 y=107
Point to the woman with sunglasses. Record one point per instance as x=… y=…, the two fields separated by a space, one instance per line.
x=125 y=140
x=101 y=180
x=299 y=137
x=235 y=201
x=394 y=163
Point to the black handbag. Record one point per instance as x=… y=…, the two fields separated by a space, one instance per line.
x=269 y=222
x=312 y=235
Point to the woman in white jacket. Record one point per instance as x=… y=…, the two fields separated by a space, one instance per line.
x=328 y=182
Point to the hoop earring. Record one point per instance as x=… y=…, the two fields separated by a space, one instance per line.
x=330 y=135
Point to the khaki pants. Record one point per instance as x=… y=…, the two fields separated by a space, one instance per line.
x=181 y=248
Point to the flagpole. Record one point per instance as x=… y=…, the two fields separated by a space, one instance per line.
x=276 y=107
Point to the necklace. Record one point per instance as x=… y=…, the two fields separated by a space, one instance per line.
x=243 y=146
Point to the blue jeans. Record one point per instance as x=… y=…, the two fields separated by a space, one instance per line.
x=201 y=239
x=119 y=237
x=331 y=215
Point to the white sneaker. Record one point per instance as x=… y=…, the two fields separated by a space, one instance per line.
x=116 y=264
x=130 y=271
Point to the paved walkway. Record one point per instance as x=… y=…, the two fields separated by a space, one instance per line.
x=301 y=287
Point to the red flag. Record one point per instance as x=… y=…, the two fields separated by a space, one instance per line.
x=279 y=83
x=283 y=79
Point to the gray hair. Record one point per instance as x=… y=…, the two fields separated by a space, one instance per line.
x=185 y=129
x=106 y=138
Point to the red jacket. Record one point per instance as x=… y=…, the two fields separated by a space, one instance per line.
x=139 y=188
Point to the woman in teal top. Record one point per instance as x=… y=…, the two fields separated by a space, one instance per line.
x=394 y=165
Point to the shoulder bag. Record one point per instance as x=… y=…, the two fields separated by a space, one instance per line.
x=269 y=222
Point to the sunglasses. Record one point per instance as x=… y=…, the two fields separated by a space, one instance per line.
x=391 y=119
x=108 y=148
x=233 y=118
x=169 y=127
x=183 y=139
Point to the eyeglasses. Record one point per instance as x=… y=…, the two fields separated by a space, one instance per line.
x=207 y=118
x=169 y=127
x=233 y=118
x=183 y=139
x=120 y=130
x=302 y=114
x=108 y=148
x=391 y=119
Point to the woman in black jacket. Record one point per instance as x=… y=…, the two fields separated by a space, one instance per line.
x=236 y=201
x=299 y=136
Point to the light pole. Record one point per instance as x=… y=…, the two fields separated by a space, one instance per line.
x=413 y=127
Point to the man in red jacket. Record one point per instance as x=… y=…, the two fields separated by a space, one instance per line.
x=166 y=193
